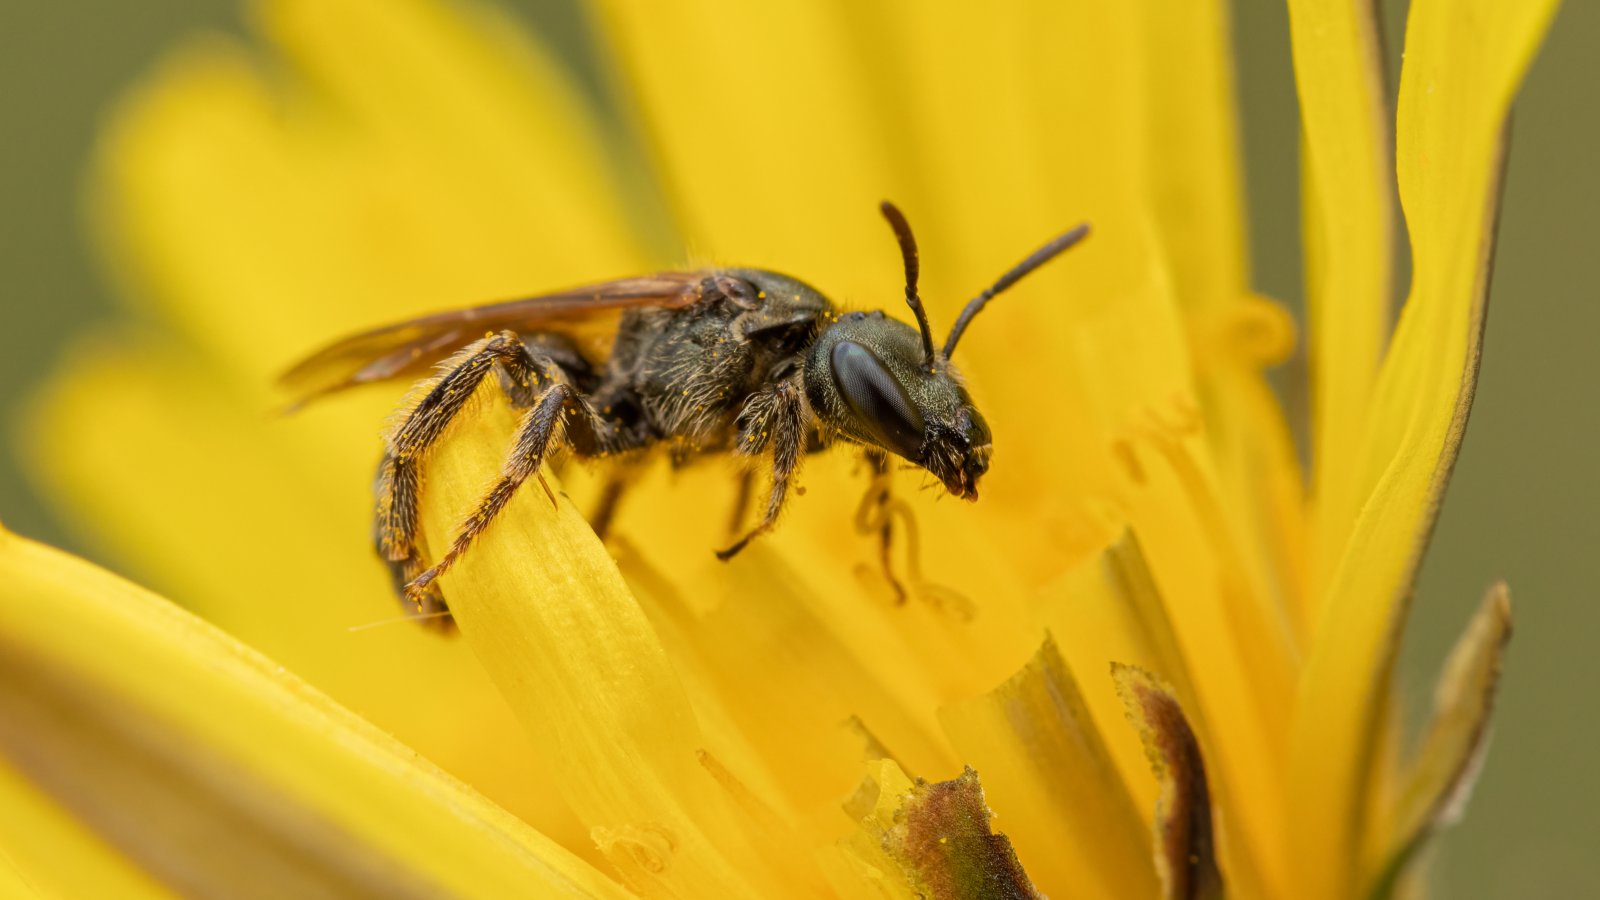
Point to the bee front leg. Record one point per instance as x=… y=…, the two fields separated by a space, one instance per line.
x=771 y=419
x=876 y=514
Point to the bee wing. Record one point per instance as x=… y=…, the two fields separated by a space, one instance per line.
x=409 y=347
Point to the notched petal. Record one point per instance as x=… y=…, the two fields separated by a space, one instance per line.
x=924 y=841
x=942 y=838
x=1185 y=843
x=1439 y=778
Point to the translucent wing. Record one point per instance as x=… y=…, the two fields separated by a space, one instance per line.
x=410 y=347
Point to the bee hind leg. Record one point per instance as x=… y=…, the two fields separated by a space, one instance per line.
x=399 y=474
x=558 y=413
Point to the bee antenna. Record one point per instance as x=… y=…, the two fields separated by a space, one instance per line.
x=908 y=254
x=1038 y=258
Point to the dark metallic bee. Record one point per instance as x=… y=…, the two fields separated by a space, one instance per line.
x=745 y=361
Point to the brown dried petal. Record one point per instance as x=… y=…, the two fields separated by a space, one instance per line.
x=1185 y=844
x=941 y=837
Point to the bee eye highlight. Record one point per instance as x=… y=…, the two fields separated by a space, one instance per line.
x=877 y=399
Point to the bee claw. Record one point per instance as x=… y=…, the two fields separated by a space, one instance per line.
x=419 y=588
x=547 y=492
x=731 y=552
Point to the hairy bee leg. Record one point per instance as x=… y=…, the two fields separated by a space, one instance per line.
x=876 y=514
x=775 y=419
x=430 y=606
x=399 y=476
x=589 y=433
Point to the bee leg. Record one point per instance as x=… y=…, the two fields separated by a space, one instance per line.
x=589 y=434
x=430 y=607
x=741 y=502
x=605 y=510
x=399 y=480
x=775 y=419
x=876 y=514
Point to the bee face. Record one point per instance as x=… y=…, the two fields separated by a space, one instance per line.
x=866 y=378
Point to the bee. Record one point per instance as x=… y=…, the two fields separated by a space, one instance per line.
x=748 y=362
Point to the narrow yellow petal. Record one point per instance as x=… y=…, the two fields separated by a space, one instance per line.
x=1463 y=63
x=218 y=771
x=545 y=610
x=1185 y=845
x=1194 y=183
x=1348 y=227
x=1436 y=781
x=1049 y=773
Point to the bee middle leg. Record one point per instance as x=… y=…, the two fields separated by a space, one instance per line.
x=605 y=508
x=772 y=419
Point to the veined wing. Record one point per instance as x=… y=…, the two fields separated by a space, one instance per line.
x=410 y=347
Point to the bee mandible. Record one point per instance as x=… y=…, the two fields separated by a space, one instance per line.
x=743 y=361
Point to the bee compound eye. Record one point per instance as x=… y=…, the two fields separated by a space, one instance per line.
x=876 y=399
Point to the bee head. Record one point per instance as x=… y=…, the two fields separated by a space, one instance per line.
x=867 y=378
x=881 y=383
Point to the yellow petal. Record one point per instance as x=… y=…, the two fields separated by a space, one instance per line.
x=1348 y=231
x=1185 y=848
x=1050 y=774
x=1463 y=63
x=218 y=771
x=1194 y=181
x=545 y=610
x=1440 y=774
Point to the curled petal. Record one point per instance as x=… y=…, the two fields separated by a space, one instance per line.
x=1185 y=843
x=1440 y=776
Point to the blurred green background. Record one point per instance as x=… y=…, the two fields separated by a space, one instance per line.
x=1524 y=504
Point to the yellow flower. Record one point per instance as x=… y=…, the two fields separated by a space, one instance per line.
x=752 y=729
